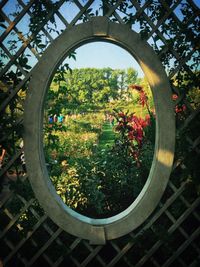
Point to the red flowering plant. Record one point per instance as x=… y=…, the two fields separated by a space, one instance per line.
x=136 y=132
x=179 y=108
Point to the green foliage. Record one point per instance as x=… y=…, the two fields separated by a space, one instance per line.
x=187 y=122
x=40 y=11
x=91 y=166
x=109 y=180
x=86 y=89
x=101 y=182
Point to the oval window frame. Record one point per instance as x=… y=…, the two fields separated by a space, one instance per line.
x=99 y=230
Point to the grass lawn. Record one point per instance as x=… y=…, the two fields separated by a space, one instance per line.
x=107 y=137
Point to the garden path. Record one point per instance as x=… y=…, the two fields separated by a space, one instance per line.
x=107 y=137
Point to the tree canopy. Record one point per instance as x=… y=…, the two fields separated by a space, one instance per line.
x=90 y=86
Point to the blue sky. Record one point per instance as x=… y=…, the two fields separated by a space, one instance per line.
x=103 y=54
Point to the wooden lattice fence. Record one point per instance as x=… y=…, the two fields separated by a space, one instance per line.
x=171 y=236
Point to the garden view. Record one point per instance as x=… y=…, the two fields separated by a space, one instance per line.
x=98 y=134
x=99 y=130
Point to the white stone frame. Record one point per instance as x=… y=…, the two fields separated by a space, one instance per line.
x=99 y=230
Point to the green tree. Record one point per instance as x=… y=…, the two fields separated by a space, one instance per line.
x=88 y=86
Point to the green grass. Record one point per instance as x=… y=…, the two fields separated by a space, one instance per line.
x=107 y=137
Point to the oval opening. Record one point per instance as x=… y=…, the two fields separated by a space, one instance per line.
x=99 y=130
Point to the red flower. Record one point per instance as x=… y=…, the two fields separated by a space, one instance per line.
x=121 y=114
x=184 y=107
x=147 y=120
x=179 y=109
x=131 y=135
x=174 y=97
x=136 y=87
x=143 y=98
x=139 y=136
x=142 y=122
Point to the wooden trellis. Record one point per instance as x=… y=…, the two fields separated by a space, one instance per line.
x=171 y=236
